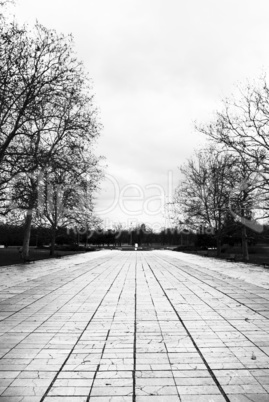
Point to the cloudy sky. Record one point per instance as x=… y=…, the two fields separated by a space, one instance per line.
x=156 y=65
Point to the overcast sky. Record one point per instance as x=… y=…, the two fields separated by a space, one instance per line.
x=156 y=65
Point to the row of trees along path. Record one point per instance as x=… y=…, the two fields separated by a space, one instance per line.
x=227 y=182
x=48 y=123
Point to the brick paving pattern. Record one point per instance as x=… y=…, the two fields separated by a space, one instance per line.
x=131 y=326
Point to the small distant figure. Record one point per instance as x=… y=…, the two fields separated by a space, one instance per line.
x=136 y=246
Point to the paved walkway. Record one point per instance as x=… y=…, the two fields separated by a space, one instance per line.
x=131 y=326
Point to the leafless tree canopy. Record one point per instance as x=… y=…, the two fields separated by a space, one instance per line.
x=48 y=123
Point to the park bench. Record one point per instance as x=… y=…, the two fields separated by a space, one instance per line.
x=231 y=257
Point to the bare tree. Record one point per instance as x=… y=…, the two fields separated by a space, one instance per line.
x=47 y=117
x=202 y=197
x=68 y=197
x=243 y=125
x=37 y=71
x=241 y=128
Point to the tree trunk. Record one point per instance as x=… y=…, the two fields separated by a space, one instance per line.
x=244 y=235
x=53 y=239
x=27 y=234
x=244 y=244
x=218 y=246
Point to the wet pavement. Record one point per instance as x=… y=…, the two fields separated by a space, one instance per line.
x=115 y=326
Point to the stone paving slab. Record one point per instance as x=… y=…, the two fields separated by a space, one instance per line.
x=131 y=326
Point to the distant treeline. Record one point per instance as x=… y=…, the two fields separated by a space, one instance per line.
x=12 y=235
